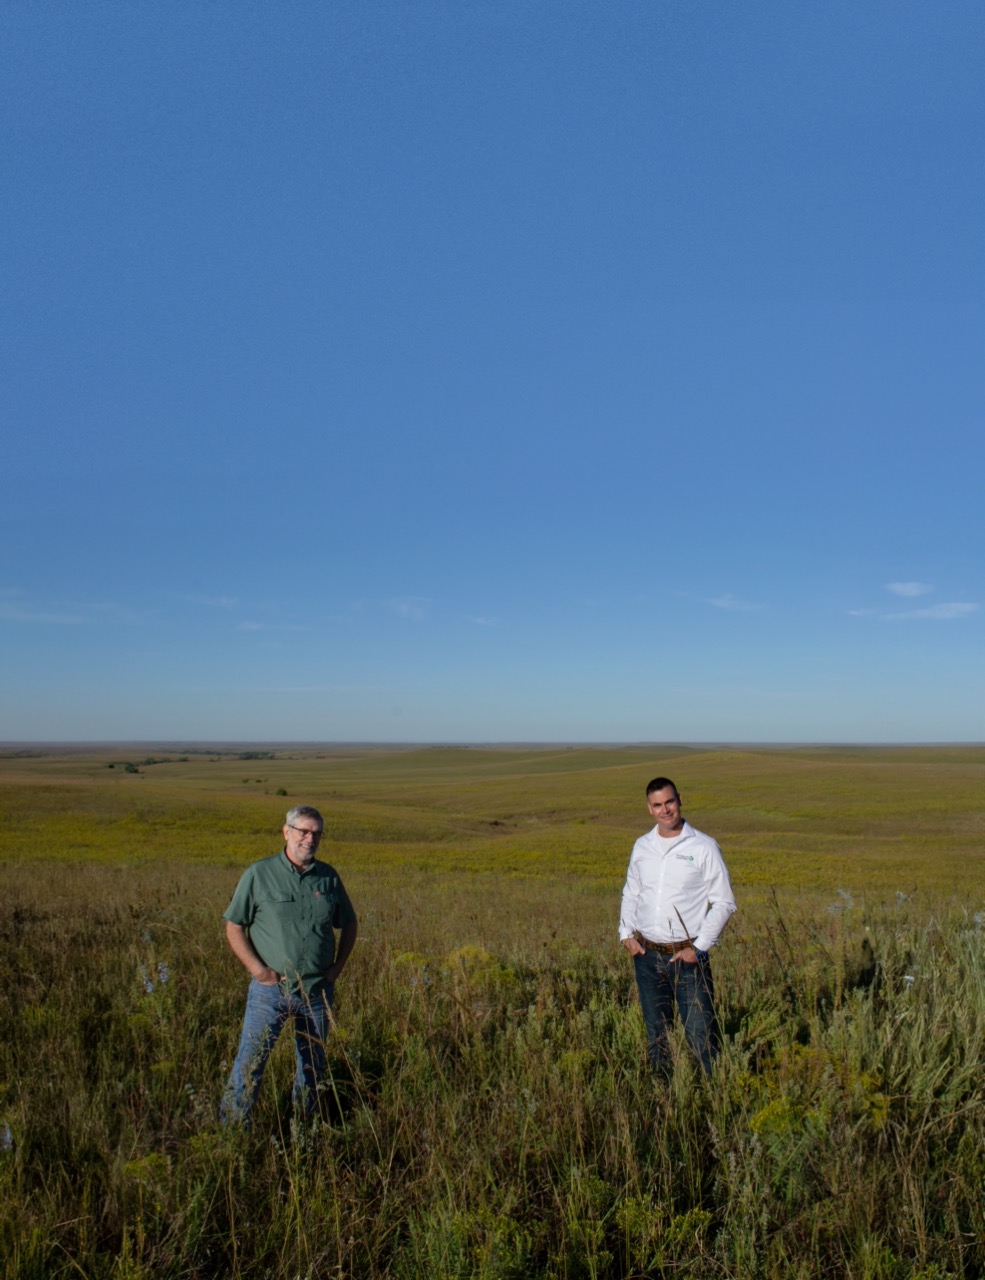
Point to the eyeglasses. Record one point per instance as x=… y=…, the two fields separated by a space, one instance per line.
x=304 y=832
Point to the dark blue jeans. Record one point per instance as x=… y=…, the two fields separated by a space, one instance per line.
x=267 y=1010
x=662 y=985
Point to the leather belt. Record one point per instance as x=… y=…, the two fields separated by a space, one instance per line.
x=668 y=948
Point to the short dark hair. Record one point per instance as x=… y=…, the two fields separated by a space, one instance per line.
x=661 y=784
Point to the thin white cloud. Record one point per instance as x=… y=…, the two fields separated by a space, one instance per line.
x=909 y=589
x=943 y=612
x=413 y=607
x=214 y=602
x=270 y=626
x=16 y=605
x=483 y=622
x=947 y=611
x=297 y=688
x=731 y=603
x=16 y=613
x=318 y=688
x=109 y=610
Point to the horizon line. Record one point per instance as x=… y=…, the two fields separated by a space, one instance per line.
x=213 y=744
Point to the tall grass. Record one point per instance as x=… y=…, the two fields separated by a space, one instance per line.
x=488 y=1110
x=493 y=1116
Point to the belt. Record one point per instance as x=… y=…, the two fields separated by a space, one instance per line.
x=668 y=948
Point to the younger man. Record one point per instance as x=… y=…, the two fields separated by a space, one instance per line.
x=675 y=904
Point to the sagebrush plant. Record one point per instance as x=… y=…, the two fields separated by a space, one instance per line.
x=488 y=1111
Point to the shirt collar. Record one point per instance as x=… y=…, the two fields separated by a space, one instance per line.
x=686 y=830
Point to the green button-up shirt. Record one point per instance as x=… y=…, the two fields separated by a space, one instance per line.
x=291 y=917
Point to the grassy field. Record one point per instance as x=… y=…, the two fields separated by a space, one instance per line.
x=489 y=1112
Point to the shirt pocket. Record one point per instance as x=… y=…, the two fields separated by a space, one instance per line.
x=279 y=904
x=685 y=872
x=323 y=906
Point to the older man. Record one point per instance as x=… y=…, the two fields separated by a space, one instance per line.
x=281 y=927
x=675 y=904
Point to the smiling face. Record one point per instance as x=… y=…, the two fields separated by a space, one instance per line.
x=665 y=809
x=301 y=839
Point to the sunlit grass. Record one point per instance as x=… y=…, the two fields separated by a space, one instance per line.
x=489 y=1111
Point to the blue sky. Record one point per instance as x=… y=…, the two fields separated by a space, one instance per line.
x=492 y=371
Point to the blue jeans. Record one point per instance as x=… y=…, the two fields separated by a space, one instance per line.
x=267 y=1009
x=662 y=985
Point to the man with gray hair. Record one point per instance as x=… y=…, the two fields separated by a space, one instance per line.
x=281 y=927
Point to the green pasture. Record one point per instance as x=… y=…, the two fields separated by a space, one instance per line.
x=867 y=820
x=489 y=1113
